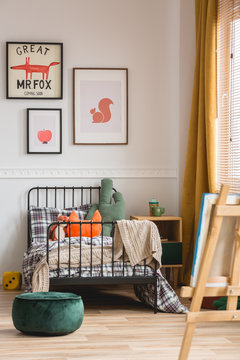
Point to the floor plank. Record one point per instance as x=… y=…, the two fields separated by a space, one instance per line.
x=117 y=326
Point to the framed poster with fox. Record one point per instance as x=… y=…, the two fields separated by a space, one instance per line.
x=100 y=106
x=34 y=70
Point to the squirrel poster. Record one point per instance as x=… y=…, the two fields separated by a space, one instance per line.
x=104 y=113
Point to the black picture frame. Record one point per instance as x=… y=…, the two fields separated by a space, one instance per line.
x=42 y=63
x=40 y=124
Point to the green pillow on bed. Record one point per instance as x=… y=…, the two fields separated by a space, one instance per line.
x=106 y=191
x=109 y=212
x=112 y=212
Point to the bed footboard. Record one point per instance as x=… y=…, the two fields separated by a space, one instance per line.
x=108 y=270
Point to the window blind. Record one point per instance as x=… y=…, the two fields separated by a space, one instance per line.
x=228 y=96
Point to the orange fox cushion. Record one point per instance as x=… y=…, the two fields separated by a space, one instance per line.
x=86 y=227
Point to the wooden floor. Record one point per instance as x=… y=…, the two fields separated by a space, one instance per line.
x=118 y=327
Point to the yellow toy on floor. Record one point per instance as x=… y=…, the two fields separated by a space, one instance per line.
x=12 y=280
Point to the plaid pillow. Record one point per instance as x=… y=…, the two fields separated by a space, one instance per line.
x=42 y=217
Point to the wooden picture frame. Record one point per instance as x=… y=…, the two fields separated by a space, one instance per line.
x=100 y=106
x=34 y=70
x=44 y=131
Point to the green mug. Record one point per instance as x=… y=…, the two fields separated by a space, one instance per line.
x=158 y=211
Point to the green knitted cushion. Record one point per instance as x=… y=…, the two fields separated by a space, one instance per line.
x=47 y=313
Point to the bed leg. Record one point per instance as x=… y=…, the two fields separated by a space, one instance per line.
x=155 y=296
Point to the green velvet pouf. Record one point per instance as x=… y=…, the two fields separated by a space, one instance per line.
x=47 y=313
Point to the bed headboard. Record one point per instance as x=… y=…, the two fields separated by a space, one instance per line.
x=61 y=197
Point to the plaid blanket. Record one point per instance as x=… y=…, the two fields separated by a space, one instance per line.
x=167 y=300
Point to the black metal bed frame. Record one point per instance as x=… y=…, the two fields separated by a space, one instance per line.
x=42 y=195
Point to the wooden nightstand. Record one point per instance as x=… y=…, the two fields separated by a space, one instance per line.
x=170 y=230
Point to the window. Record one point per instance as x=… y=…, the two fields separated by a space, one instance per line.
x=228 y=97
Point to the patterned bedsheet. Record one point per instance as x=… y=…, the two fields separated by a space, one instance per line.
x=167 y=300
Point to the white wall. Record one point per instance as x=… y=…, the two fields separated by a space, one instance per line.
x=145 y=37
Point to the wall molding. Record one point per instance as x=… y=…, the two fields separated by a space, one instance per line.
x=69 y=173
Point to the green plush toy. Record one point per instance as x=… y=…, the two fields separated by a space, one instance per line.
x=109 y=212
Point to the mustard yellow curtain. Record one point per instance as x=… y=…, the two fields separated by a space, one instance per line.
x=200 y=169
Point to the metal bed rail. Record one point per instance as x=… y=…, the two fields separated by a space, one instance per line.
x=65 y=193
x=94 y=280
x=62 y=197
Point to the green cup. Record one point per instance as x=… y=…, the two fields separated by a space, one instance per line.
x=158 y=211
